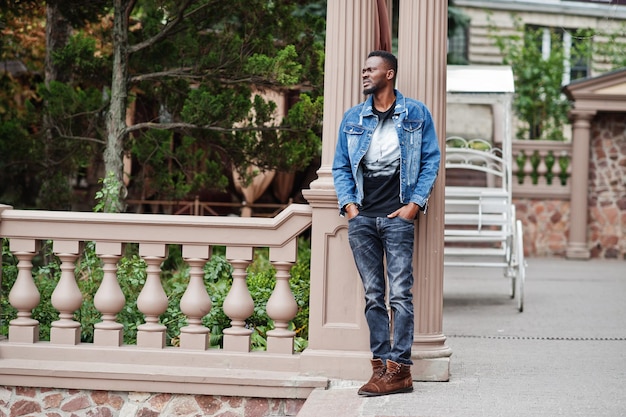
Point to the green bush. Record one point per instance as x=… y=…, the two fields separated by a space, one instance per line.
x=131 y=275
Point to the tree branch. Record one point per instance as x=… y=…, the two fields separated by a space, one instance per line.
x=169 y=26
x=174 y=126
x=178 y=72
x=83 y=138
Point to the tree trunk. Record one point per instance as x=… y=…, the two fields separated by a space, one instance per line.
x=58 y=31
x=116 y=117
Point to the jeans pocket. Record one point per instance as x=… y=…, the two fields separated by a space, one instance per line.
x=410 y=221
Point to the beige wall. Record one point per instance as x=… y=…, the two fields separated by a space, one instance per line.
x=462 y=117
x=482 y=49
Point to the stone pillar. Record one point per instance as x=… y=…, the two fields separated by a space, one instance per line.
x=422 y=39
x=577 y=247
x=338 y=333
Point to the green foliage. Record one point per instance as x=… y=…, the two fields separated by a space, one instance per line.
x=282 y=69
x=80 y=58
x=175 y=172
x=195 y=82
x=206 y=107
x=109 y=196
x=609 y=47
x=73 y=110
x=539 y=102
x=19 y=161
x=300 y=283
x=457 y=19
x=211 y=64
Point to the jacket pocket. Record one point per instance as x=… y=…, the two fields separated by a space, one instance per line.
x=353 y=129
x=412 y=132
x=412 y=125
x=353 y=133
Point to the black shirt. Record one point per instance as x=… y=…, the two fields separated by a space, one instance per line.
x=381 y=169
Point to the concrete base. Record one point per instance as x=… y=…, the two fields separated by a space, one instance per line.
x=195 y=341
x=236 y=343
x=65 y=335
x=24 y=334
x=106 y=337
x=333 y=402
x=577 y=251
x=431 y=370
x=280 y=345
x=334 y=364
x=151 y=339
x=355 y=366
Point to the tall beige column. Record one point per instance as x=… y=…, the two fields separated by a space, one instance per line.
x=338 y=333
x=577 y=247
x=422 y=40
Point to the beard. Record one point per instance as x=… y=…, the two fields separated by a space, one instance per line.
x=370 y=90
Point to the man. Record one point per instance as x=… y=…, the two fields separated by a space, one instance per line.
x=386 y=162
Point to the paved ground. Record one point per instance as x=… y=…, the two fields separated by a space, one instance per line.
x=565 y=355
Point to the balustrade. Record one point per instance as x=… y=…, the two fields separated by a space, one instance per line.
x=153 y=300
x=196 y=237
x=541 y=169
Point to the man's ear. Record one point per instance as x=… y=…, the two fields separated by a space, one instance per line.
x=390 y=74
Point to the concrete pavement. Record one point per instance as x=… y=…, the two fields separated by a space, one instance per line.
x=565 y=355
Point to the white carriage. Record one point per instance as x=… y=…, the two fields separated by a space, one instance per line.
x=481 y=229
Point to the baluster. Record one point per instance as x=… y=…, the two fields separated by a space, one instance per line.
x=195 y=303
x=238 y=304
x=281 y=308
x=24 y=295
x=557 y=170
x=152 y=300
x=109 y=299
x=66 y=297
x=542 y=169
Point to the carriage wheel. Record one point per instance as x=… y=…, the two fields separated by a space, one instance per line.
x=521 y=264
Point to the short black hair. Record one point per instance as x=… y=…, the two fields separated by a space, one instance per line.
x=389 y=58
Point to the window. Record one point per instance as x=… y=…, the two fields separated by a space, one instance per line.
x=458 y=47
x=575 y=44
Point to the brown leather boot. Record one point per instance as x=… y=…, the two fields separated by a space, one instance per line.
x=378 y=371
x=396 y=379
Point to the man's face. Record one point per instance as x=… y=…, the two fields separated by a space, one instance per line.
x=374 y=74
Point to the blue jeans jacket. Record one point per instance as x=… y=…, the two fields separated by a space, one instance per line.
x=419 y=151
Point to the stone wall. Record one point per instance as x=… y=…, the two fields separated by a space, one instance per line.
x=546 y=222
x=546 y=225
x=607 y=186
x=46 y=402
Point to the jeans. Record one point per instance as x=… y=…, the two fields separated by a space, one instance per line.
x=370 y=238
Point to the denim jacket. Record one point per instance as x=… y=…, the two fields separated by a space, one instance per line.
x=419 y=151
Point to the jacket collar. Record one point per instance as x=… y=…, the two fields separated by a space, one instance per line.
x=369 y=103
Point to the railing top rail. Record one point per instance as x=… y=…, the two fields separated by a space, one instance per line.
x=541 y=145
x=156 y=228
